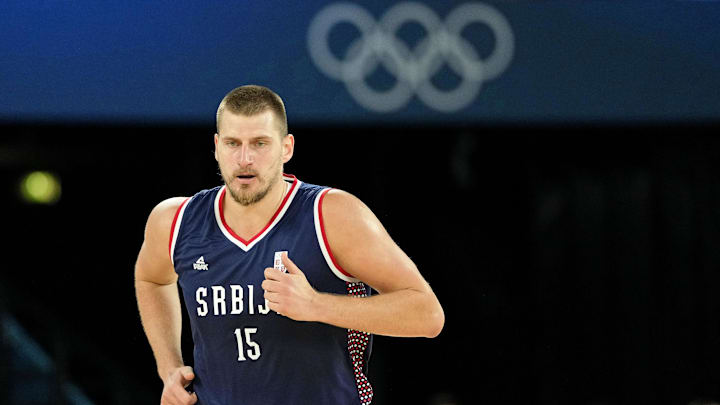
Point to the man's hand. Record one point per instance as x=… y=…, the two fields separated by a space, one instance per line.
x=289 y=294
x=174 y=392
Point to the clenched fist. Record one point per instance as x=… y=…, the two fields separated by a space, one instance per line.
x=290 y=294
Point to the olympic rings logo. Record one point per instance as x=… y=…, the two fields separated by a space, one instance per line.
x=413 y=68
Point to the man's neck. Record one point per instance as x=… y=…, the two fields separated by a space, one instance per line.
x=247 y=220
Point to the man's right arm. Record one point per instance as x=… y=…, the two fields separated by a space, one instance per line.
x=159 y=303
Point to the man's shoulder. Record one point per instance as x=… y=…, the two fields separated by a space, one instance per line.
x=342 y=200
x=164 y=212
x=344 y=211
x=167 y=210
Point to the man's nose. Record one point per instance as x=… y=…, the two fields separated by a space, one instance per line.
x=246 y=155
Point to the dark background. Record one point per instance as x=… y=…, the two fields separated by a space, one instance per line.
x=574 y=263
x=567 y=216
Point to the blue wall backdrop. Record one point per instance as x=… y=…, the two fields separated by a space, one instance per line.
x=453 y=62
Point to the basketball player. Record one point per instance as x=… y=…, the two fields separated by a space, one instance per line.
x=276 y=276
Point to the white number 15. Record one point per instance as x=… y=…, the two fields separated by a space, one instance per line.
x=254 y=351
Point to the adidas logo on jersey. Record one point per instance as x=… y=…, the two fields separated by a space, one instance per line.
x=200 y=264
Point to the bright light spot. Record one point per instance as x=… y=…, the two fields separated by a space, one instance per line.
x=40 y=188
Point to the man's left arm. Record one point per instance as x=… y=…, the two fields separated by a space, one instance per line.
x=406 y=305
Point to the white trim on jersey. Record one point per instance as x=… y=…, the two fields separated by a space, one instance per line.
x=322 y=242
x=176 y=229
x=295 y=186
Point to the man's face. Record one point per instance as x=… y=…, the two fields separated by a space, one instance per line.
x=250 y=152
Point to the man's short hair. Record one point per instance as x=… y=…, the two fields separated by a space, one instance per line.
x=251 y=100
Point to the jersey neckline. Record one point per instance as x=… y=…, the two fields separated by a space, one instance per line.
x=279 y=213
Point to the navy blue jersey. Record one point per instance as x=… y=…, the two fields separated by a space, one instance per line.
x=243 y=352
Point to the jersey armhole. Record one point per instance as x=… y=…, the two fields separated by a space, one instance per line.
x=175 y=227
x=323 y=242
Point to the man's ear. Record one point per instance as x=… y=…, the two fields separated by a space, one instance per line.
x=288 y=145
x=215 y=139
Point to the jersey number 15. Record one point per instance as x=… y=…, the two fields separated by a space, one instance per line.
x=253 y=352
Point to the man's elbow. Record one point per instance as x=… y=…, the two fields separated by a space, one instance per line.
x=435 y=322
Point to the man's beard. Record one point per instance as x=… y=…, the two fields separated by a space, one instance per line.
x=246 y=198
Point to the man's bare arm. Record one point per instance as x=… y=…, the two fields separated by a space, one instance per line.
x=406 y=305
x=159 y=303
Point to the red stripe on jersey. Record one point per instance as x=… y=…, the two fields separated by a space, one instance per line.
x=324 y=236
x=277 y=212
x=172 y=227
